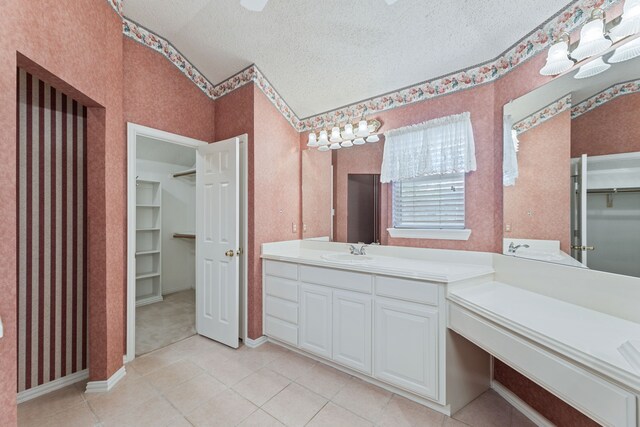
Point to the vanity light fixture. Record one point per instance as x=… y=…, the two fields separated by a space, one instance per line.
x=626 y=52
x=630 y=23
x=592 y=68
x=592 y=37
x=313 y=140
x=558 y=60
x=365 y=131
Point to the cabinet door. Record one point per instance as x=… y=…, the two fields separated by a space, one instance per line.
x=315 y=319
x=406 y=346
x=352 y=324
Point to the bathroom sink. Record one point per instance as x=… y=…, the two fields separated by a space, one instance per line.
x=347 y=258
x=539 y=255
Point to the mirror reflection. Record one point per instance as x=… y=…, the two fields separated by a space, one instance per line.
x=341 y=194
x=572 y=171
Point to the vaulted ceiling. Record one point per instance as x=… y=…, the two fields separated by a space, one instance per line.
x=321 y=55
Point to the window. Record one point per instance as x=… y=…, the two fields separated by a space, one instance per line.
x=430 y=202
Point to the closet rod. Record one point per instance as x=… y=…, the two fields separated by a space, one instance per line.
x=183 y=236
x=614 y=190
x=185 y=173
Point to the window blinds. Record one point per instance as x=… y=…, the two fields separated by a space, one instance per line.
x=430 y=202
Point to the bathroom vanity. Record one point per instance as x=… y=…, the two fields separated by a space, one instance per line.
x=397 y=317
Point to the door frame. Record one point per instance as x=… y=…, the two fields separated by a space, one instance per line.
x=133 y=132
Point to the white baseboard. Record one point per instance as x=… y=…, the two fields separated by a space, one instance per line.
x=106 y=385
x=45 y=388
x=150 y=300
x=520 y=405
x=255 y=343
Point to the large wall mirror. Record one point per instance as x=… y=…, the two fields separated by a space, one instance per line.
x=341 y=194
x=576 y=148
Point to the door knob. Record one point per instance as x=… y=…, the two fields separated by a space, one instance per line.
x=229 y=253
x=583 y=248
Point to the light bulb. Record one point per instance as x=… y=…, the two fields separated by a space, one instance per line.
x=313 y=142
x=335 y=135
x=347 y=143
x=630 y=23
x=363 y=129
x=324 y=139
x=626 y=52
x=348 y=132
x=373 y=138
x=557 y=59
x=592 y=39
x=592 y=68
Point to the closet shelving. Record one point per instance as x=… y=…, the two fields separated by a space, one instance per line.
x=148 y=242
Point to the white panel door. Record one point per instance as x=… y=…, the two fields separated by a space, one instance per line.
x=406 y=346
x=315 y=319
x=217 y=241
x=352 y=322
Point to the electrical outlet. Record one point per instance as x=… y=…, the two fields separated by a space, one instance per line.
x=507 y=228
x=294 y=227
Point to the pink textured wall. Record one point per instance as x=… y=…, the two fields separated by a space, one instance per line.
x=555 y=410
x=157 y=94
x=609 y=129
x=77 y=48
x=277 y=192
x=234 y=117
x=274 y=179
x=316 y=191
x=538 y=206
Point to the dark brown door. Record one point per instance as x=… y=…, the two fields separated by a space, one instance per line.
x=363 y=215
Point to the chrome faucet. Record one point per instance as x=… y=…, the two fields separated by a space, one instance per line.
x=513 y=248
x=354 y=250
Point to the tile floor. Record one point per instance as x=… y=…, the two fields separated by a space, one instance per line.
x=202 y=383
x=166 y=322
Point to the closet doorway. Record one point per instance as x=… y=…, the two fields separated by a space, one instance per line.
x=186 y=198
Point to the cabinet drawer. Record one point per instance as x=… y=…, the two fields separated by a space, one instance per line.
x=281 y=330
x=281 y=288
x=281 y=269
x=597 y=398
x=410 y=290
x=281 y=309
x=359 y=282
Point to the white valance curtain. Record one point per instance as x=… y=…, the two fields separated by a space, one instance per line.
x=435 y=147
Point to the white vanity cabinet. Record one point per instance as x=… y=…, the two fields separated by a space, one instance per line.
x=352 y=326
x=384 y=327
x=406 y=346
x=315 y=319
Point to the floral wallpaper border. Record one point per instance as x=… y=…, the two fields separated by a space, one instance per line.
x=117 y=5
x=541 y=116
x=250 y=74
x=566 y=21
x=605 y=96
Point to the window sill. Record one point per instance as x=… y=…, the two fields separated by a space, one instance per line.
x=439 y=234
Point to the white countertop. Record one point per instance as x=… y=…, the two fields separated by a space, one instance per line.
x=587 y=336
x=432 y=270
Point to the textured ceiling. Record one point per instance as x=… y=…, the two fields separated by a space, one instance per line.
x=321 y=55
